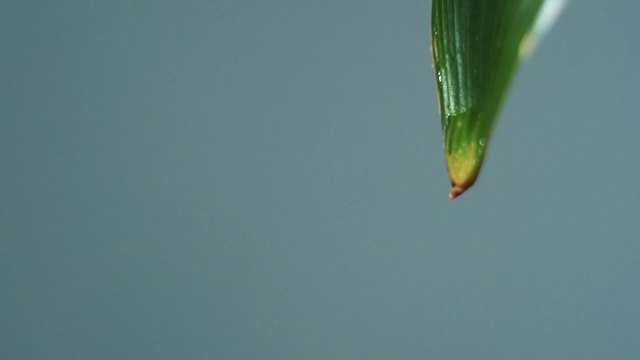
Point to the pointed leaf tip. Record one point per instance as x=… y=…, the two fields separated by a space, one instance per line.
x=456 y=191
x=477 y=46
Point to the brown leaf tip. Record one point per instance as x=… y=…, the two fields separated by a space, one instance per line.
x=456 y=191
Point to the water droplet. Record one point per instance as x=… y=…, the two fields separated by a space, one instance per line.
x=482 y=142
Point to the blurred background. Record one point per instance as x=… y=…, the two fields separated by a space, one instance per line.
x=265 y=180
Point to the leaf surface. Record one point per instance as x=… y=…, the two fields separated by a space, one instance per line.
x=476 y=47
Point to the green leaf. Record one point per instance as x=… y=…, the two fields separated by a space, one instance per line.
x=476 y=47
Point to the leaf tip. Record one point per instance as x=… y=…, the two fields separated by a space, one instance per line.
x=456 y=191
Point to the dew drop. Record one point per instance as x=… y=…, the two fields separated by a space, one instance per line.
x=482 y=142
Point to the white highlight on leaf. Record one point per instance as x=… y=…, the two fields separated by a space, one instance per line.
x=547 y=16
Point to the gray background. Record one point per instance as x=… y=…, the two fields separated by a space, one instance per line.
x=265 y=180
